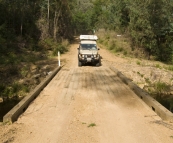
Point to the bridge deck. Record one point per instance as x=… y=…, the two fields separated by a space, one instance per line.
x=89 y=104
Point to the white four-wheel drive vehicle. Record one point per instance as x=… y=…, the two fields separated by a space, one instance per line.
x=88 y=50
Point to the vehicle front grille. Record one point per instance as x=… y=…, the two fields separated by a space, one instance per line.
x=89 y=56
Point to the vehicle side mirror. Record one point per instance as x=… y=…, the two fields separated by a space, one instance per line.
x=98 y=48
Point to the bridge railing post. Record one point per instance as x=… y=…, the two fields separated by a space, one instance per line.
x=59 y=62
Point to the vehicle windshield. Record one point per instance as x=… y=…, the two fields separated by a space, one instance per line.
x=88 y=47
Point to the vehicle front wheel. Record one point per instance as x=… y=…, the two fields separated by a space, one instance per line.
x=79 y=63
x=98 y=63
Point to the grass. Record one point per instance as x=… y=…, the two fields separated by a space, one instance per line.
x=147 y=80
x=91 y=125
x=170 y=68
x=140 y=74
x=113 y=43
x=138 y=62
x=161 y=87
x=125 y=53
x=158 y=66
x=6 y=123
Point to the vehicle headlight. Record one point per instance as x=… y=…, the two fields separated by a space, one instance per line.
x=95 y=56
x=83 y=56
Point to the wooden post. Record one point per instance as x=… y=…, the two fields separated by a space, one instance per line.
x=59 y=63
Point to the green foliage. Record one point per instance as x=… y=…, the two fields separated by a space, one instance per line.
x=13 y=90
x=161 y=87
x=24 y=71
x=26 y=33
x=82 y=22
x=65 y=43
x=49 y=44
x=107 y=37
x=119 y=49
x=59 y=48
x=100 y=41
x=170 y=68
x=148 y=23
x=125 y=53
x=147 y=80
x=92 y=125
x=138 y=62
x=13 y=71
x=158 y=66
x=112 y=45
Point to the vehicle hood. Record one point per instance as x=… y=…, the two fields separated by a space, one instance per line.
x=88 y=52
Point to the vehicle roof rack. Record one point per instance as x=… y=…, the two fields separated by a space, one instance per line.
x=88 y=37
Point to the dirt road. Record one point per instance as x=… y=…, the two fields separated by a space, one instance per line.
x=87 y=105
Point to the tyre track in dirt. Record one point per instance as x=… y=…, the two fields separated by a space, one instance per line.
x=88 y=105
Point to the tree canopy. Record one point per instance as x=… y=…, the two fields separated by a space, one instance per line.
x=148 y=23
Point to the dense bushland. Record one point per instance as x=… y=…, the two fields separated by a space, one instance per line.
x=149 y=24
x=30 y=31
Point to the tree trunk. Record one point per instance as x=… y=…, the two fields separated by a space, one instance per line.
x=48 y=11
x=21 y=29
x=55 y=23
x=55 y=26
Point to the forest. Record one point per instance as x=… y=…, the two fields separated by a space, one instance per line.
x=36 y=25
x=148 y=23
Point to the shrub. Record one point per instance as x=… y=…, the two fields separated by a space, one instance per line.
x=170 y=68
x=161 y=87
x=65 y=43
x=112 y=45
x=107 y=37
x=105 y=43
x=147 y=80
x=59 y=48
x=158 y=66
x=100 y=41
x=13 y=71
x=13 y=90
x=119 y=49
x=125 y=53
x=138 y=62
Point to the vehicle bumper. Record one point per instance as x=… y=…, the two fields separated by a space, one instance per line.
x=89 y=59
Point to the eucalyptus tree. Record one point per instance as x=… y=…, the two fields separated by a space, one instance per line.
x=56 y=18
x=81 y=16
x=149 y=23
x=162 y=27
x=139 y=27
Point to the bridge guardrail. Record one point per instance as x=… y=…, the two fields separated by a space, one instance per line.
x=160 y=110
x=17 y=110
